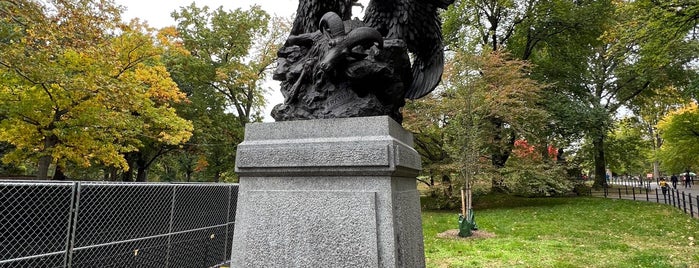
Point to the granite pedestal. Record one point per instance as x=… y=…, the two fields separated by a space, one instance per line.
x=328 y=193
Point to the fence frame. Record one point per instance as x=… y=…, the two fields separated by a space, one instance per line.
x=184 y=195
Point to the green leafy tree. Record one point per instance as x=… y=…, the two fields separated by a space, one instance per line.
x=652 y=108
x=635 y=67
x=597 y=56
x=224 y=43
x=529 y=30
x=629 y=149
x=598 y=70
x=426 y=121
x=219 y=59
x=664 y=28
x=79 y=86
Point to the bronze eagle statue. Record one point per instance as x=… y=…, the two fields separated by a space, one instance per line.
x=333 y=66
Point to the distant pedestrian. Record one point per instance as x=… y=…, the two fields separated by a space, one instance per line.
x=674 y=181
x=663 y=186
x=687 y=181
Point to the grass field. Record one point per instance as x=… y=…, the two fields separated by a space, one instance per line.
x=566 y=232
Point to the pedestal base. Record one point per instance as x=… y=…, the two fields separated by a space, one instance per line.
x=328 y=193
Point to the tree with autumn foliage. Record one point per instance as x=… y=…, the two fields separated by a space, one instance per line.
x=491 y=95
x=80 y=87
x=680 y=132
x=457 y=120
x=219 y=58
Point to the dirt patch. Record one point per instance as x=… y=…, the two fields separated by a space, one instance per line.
x=454 y=234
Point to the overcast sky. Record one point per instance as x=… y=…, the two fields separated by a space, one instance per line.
x=157 y=14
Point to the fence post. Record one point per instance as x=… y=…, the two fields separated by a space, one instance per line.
x=684 y=203
x=633 y=192
x=657 y=198
x=619 y=193
x=647 y=199
x=73 y=224
x=672 y=197
x=606 y=190
x=171 y=224
x=691 y=207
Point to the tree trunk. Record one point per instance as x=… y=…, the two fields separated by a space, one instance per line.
x=142 y=175
x=559 y=156
x=110 y=174
x=127 y=175
x=656 y=170
x=502 y=150
x=58 y=175
x=46 y=160
x=43 y=167
x=131 y=161
x=656 y=146
x=600 y=162
x=446 y=181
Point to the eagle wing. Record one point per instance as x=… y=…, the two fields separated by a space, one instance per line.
x=417 y=23
x=309 y=12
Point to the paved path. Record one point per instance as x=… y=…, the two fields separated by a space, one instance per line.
x=694 y=190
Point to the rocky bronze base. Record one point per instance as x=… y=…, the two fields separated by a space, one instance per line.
x=343 y=70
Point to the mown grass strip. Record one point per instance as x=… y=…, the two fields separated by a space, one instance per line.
x=566 y=232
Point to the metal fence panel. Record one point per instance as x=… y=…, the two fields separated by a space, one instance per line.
x=148 y=252
x=105 y=224
x=199 y=248
x=117 y=212
x=191 y=211
x=34 y=221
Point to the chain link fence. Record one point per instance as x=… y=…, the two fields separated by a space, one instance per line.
x=107 y=224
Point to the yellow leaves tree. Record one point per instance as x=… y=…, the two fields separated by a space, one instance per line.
x=220 y=59
x=79 y=86
x=680 y=132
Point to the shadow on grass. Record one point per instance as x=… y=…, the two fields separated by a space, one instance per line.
x=498 y=200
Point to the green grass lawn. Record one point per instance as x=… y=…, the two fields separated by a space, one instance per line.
x=566 y=232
